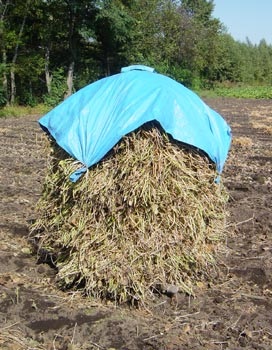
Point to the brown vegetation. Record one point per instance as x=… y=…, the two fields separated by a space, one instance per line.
x=148 y=215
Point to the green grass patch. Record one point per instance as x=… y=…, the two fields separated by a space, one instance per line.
x=20 y=111
x=239 y=91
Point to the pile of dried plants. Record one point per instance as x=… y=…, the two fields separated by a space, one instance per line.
x=147 y=214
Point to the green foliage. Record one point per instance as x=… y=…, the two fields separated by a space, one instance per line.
x=3 y=95
x=97 y=37
x=257 y=92
x=184 y=76
x=237 y=91
x=58 y=89
x=89 y=73
x=28 y=99
x=114 y=27
x=3 y=98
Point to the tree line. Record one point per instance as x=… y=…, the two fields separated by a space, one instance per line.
x=51 y=48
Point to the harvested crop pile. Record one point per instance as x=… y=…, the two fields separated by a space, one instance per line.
x=148 y=214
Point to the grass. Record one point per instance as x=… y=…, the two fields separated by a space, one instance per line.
x=238 y=91
x=147 y=215
x=20 y=111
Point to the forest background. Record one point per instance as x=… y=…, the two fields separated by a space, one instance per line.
x=51 y=48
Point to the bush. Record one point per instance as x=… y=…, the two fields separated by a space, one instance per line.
x=58 y=89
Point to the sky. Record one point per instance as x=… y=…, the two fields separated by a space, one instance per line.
x=246 y=19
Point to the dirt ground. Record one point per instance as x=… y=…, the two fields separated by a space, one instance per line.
x=233 y=311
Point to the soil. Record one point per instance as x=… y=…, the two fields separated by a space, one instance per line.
x=231 y=311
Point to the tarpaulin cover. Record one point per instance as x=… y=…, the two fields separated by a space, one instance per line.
x=91 y=121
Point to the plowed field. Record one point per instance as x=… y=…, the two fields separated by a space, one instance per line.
x=233 y=311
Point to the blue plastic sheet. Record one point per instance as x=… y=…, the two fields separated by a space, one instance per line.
x=91 y=121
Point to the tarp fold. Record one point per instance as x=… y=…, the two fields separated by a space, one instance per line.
x=91 y=121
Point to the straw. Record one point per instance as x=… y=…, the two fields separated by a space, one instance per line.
x=149 y=213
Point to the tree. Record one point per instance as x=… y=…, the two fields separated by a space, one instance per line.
x=198 y=40
x=50 y=48
x=114 y=27
x=12 y=22
x=64 y=39
x=3 y=65
x=264 y=62
x=15 y=54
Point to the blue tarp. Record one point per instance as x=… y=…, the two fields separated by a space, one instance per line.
x=91 y=121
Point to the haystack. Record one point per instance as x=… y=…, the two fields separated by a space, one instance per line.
x=148 y=214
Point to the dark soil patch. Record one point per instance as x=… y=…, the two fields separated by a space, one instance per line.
x=232 y=311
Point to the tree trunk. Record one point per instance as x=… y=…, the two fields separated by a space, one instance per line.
x=48 y=76
x=4 y=77
x=4 y=55
x=12 y=68
x=70 y=79
x=12 y=85
x=72 y=49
